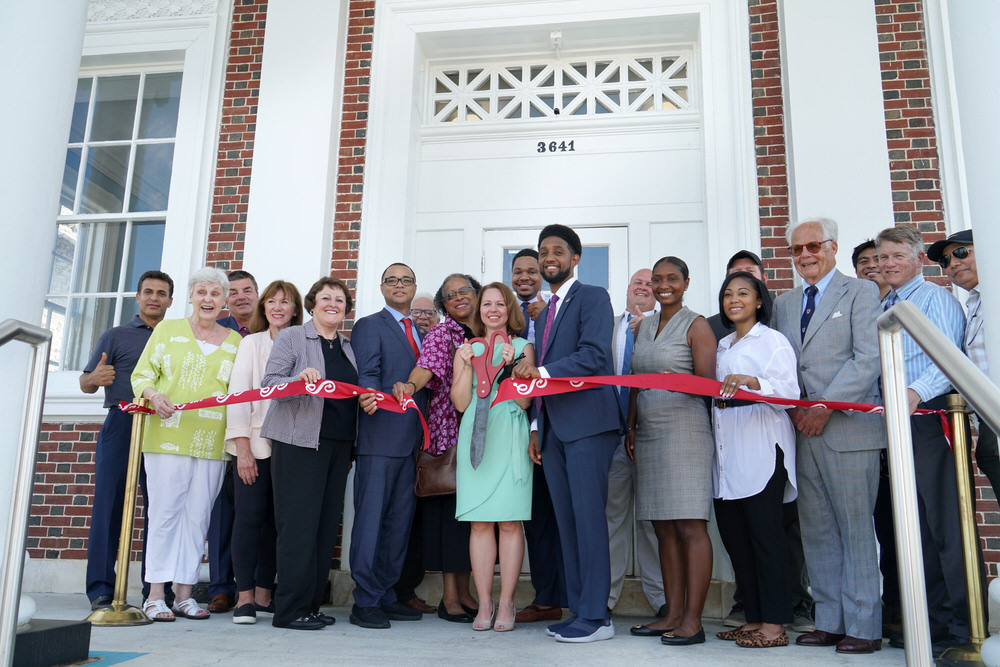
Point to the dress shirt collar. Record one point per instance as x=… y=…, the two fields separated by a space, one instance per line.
x=137 y=323
x=822 y=284
x=755 y=332
x=564 y=289
x=396 y=315
x=907 y=289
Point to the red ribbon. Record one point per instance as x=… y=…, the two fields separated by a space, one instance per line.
x=323 y=389
x=682 y=382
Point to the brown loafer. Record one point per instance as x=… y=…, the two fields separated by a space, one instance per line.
x=856 y=646
x=416 y=604
x=221 y=603
x=819 y=638
x=533 y=614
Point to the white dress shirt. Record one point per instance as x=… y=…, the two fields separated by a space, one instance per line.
x=621 y=327
x=746 y=436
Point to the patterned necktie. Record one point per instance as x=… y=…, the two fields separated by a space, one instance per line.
x=409 y=336
x=972 y=304
x=626 y=368
x=890 y=300
x=548 y=327
x=810 y=308
x=527 y=320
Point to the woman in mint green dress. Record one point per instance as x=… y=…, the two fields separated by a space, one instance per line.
x=497 y=487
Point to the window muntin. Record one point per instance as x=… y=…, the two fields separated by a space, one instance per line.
x=568 y=88
x=113 y=206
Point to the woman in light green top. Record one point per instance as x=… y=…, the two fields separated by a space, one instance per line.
x=183 y=361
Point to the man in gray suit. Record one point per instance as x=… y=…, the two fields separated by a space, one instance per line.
x=830 y=322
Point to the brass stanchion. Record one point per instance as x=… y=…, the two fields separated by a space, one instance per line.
x=966 y=653
x=121 y=612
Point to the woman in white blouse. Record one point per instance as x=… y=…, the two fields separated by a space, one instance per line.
x=279 y=306
x=754 y=470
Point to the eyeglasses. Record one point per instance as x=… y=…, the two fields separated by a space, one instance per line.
x=812 y=246
x=420 y=312
x=961 y=252
x=392 y=281
x=463 y=291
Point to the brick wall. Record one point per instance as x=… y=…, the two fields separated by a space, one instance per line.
x=227 y=226
x=769 y=142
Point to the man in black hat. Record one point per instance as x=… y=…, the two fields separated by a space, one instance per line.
x=957 y=257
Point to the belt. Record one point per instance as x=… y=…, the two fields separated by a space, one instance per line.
x=723 y=403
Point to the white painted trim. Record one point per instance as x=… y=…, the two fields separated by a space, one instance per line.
x=404 y=27
x=947 y=125
x=201 y=43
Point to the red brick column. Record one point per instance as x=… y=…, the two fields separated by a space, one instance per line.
x=769 y=142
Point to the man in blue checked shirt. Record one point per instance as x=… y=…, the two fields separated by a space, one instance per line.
x=901 y=259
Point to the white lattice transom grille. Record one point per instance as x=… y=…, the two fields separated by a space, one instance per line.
x=532 y=89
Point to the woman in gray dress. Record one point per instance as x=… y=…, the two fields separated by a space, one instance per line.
x=670 y=440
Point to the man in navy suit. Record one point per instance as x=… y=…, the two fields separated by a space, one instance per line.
x=386 y=346
x=576 y=432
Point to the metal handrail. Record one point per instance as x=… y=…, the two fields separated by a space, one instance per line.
x=980 y=393
x=12 y=567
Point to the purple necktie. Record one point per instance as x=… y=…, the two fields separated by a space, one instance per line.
x=551 y=315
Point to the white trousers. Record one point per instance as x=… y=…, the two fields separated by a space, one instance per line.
x=182 y=490
x=621 y=501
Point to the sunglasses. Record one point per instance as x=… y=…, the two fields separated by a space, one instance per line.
x=960 y=252
x=461 y=292
x=812 y=246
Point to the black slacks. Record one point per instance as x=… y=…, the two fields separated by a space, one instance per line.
x=754 y=536
x=254 y=535
x=308 y=502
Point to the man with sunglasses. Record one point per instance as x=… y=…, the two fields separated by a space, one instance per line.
x=957 y=257
x=386 y=346
x=830 y=321
x=901 y=259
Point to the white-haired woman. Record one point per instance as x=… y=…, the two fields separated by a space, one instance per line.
x=184 y=360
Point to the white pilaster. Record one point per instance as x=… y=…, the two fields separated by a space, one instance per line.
x=40 y=47
x=838 y=162
x=290 y=213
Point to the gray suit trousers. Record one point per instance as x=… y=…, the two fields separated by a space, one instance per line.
x=837 y=493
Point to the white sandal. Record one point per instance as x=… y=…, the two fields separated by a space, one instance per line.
x=190 y=609
x=155 y=610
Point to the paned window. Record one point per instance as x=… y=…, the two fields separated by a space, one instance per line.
x=113 y=206
x=565 y=89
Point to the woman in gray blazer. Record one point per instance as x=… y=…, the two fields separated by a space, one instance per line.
x=312 y=440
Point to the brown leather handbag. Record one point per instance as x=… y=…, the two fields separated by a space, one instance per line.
x=435 y=474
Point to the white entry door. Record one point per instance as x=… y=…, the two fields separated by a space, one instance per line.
x=604 y=261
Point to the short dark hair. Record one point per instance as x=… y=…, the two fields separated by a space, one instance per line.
x=258 y=321
x=412 y=273
x=766 y=304
x=155 y=275
x=240 y=274
x=745 y=254
x=676 y=261
x=328 y=281
x=864 y=245
x=566 y=234
x=439 y=295
x=515 y=318
x=527 y=252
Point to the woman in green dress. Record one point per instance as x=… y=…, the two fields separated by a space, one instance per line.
x=497 y=489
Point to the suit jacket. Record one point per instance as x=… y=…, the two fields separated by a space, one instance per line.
x=838 y=359
x=296 y=420
x=385 y=358
x=578 y=347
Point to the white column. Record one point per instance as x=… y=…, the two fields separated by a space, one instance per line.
x=838 y=162
x=290 y=213
x=974 y=26
x=40 y=47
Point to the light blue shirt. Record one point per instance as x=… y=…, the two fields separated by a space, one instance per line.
x=821 y=286
x=399 y=317
x=945 y=311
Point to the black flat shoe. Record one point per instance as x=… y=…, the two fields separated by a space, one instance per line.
x=471 y=611
x=269 y=609
x=646 y=631
x=306 y=623
x=325 y=618
x=670 y=639
x=454 y=618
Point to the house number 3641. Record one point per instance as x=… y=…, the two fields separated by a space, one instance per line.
x=556 y=147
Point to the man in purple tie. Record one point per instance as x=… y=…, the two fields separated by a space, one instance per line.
x=577 y=432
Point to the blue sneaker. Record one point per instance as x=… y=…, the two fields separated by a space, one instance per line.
x=554 y=629
x=583 y=631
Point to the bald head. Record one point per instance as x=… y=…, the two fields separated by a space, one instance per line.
x=640 y=291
